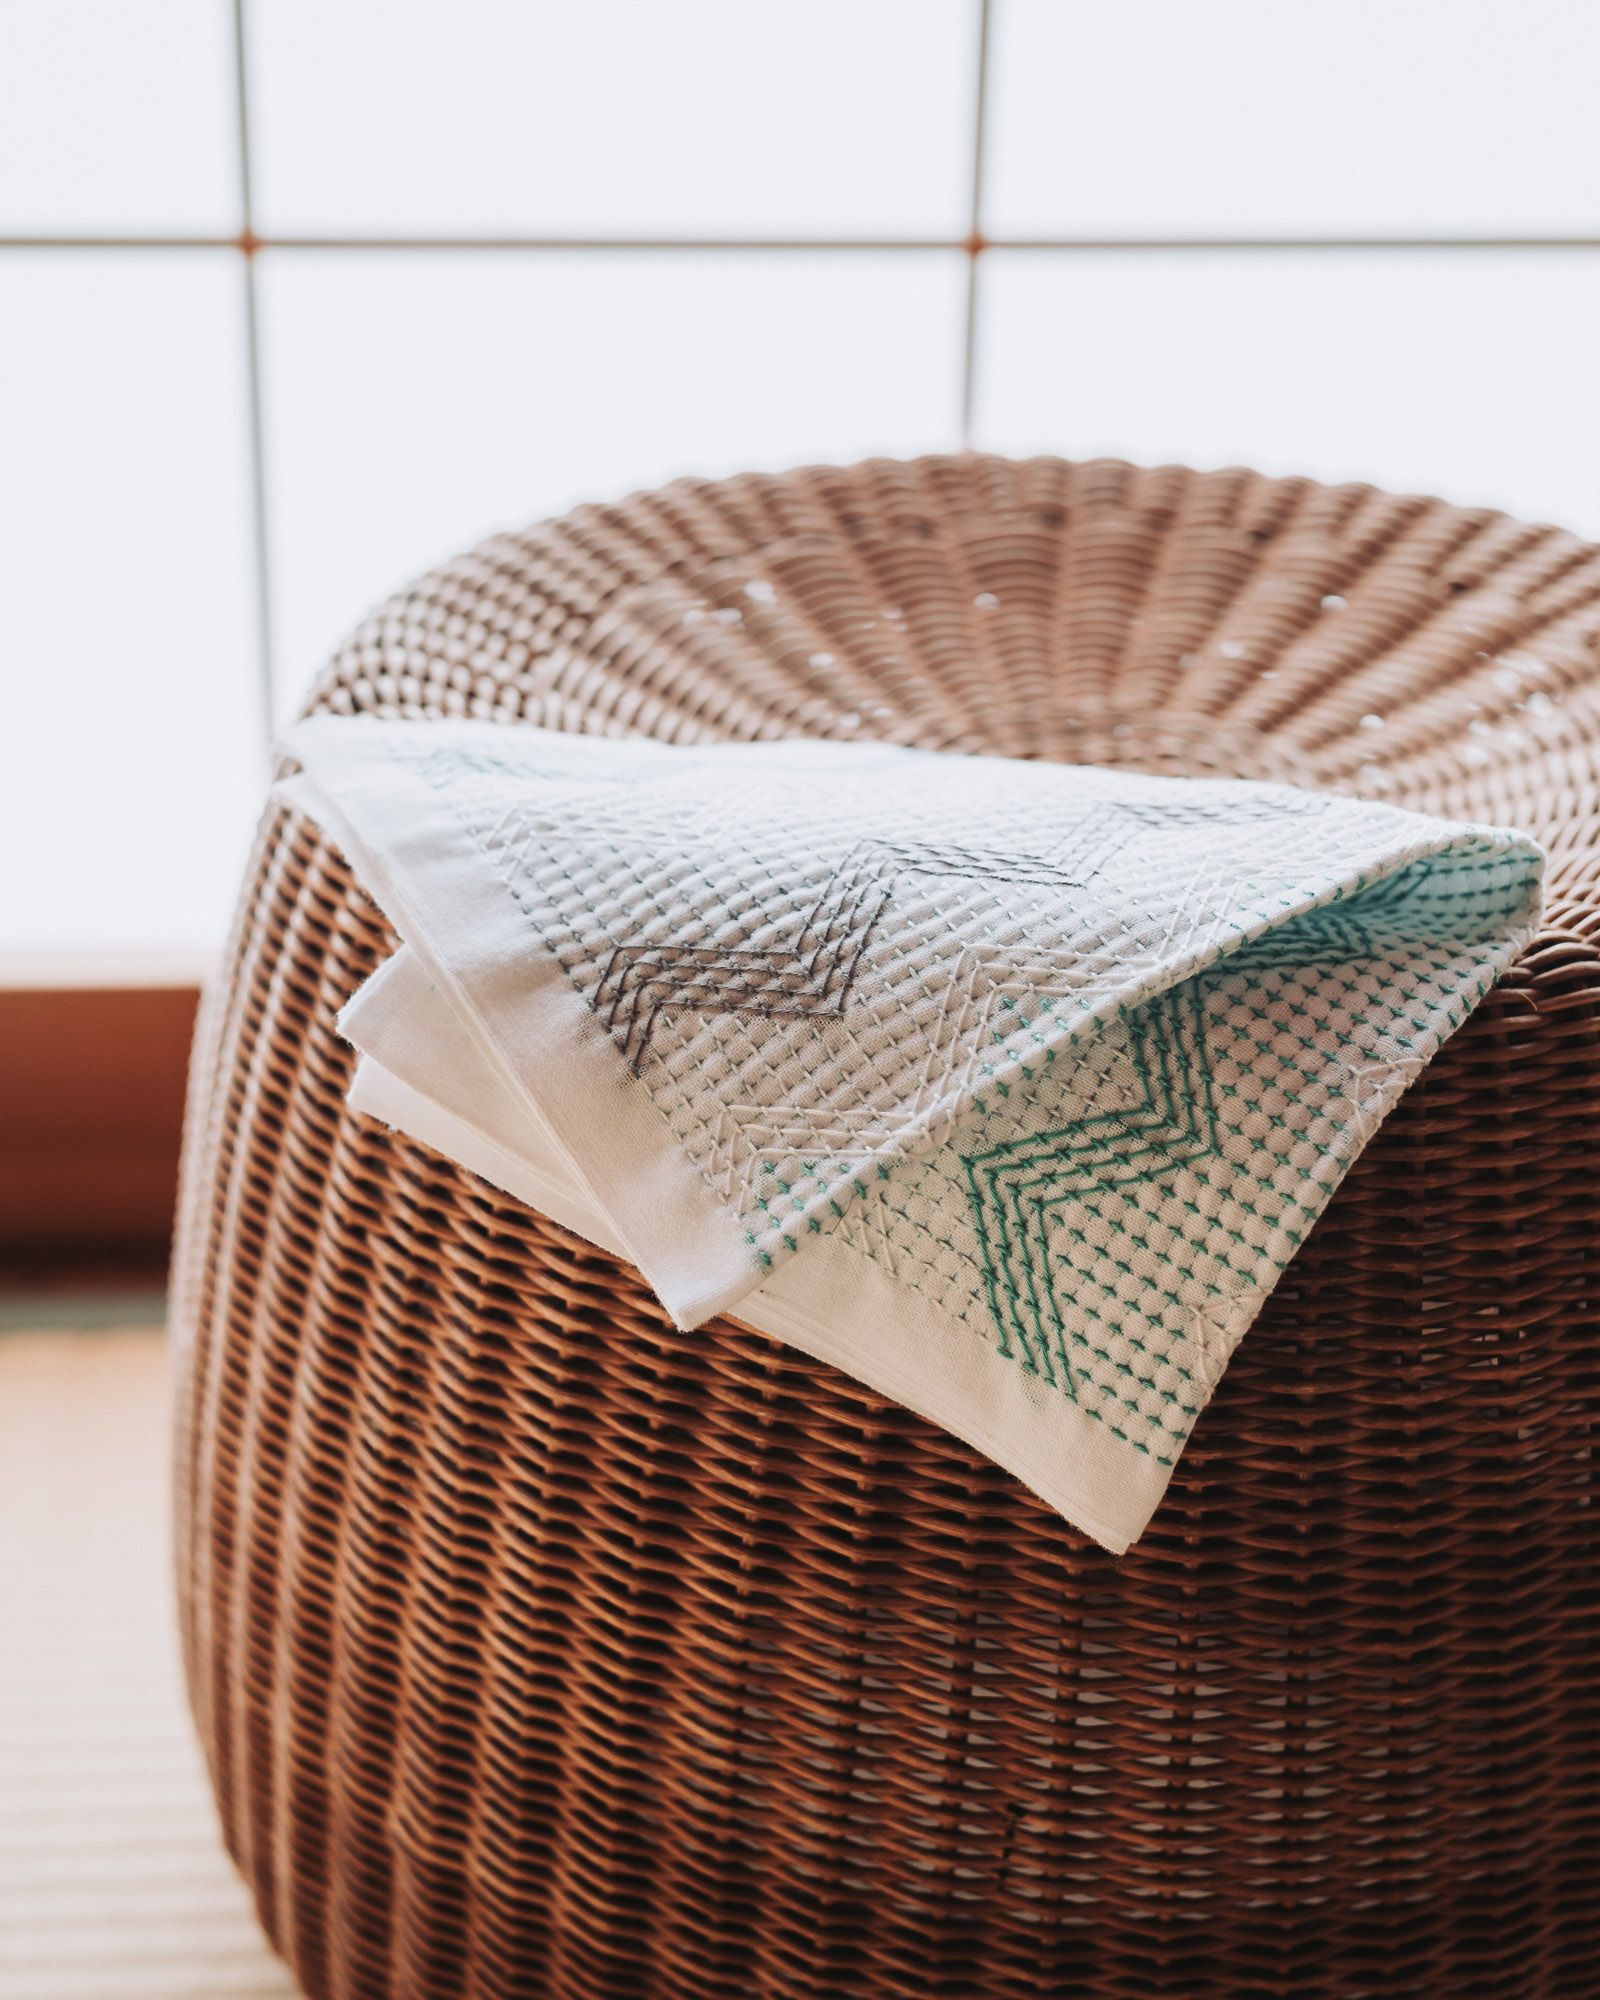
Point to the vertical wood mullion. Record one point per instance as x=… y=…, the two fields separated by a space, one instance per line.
x=249 y=244
x=975 y=244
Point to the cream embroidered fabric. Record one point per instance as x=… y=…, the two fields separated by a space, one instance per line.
x=1010 y=1088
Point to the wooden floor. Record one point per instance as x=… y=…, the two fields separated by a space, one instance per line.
x=113 y=1883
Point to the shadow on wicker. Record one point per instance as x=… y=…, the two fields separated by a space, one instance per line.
x=539 y=1649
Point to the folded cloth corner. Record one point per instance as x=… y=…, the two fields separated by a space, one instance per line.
x=1008 y=1088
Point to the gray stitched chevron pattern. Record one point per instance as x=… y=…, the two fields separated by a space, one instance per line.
x=812 y=972
x=1071 y=1058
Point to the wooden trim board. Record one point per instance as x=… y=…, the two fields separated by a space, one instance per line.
x=92 y=1084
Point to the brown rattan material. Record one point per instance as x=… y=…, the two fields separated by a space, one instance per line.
x=539 y=1649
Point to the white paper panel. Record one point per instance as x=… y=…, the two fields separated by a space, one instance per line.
x=1242 y=117
x=817 y=117
x=1470 y=375
x=130 y=760
x=420 y=402
x=117 y=115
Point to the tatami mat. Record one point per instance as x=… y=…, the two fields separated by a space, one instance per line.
x=113 y=1882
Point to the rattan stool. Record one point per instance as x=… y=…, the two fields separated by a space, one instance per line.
x=541 y=1650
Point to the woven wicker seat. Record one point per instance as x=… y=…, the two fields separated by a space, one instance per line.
x=539 y=1649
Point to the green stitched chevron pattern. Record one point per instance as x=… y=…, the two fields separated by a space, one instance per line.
x=1017 y=1189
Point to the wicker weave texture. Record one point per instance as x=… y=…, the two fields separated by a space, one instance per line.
x=541 y=1650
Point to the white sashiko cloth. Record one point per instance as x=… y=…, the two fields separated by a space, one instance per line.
x=1008 y=1088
